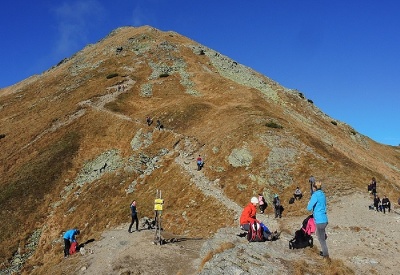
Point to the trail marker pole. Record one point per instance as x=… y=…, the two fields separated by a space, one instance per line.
x=158 y=207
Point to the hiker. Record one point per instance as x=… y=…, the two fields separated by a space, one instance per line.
x=385 y=204
x=312 y=182
x=149 y=121
x=373 y=186
x=377 y=203
x=278 y=206
x=69 y=238
x=248 y=217
x=200 y=163
x=297 y=194
x=134 y=216
x=159 y=126
x=317 y=205
x=262 y=203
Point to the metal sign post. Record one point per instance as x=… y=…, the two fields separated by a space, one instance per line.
x=158 y=207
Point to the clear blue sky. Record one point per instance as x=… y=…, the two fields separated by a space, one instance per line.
x=343 y=54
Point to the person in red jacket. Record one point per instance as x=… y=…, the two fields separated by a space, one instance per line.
x=248 y=217
x=249 y=214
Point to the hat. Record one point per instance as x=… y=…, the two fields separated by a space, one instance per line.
x=254 y=200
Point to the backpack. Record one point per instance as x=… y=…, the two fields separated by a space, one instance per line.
x=309 y=225
x=73 y=249
x=301 y=240
x=302 y=237
x=255 y=233
x=291 y=201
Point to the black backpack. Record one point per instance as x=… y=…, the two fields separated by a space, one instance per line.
x=291 y=201
x=255 y=233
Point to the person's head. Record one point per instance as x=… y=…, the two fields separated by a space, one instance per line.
x=254 y=200
x=317 y=185
x=77 y=231
x=276 y=196
x=297 y=187
x=133 y=203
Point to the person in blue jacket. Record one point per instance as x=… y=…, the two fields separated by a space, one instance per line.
x=69 y=237
x=317 y=205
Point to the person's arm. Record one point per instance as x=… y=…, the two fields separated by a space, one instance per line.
x=73 y=237
x=311 y=203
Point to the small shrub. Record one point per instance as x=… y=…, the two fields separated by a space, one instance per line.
x=164 y=75
x=353 y=132
x=310 y=101
x=334 y=122
x=301 y=95
x=112 y=75
x=272 y=124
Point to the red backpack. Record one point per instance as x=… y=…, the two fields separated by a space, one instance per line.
x=73 y=248
x=255 y=233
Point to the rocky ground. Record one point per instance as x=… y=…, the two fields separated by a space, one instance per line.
x=364 y=240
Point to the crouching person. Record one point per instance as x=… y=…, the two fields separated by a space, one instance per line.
x=249 y=223
x=69 y=238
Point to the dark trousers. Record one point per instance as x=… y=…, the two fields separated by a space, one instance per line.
x=384 y=207
x=278 y=211
x=67 y=246
x=134 y=219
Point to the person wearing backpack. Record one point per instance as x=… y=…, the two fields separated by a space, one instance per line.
x=317 y=205
x=248 y=219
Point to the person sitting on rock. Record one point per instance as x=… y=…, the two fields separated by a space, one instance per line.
x=262 y=203
x=248 y=217
x=297 y=194
x=385 y=204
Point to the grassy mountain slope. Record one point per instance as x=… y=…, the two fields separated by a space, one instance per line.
x=89 y=111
